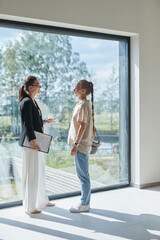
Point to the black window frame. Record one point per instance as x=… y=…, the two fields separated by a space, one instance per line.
x=78 y=33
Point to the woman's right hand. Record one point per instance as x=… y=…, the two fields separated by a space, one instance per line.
x=34 y=145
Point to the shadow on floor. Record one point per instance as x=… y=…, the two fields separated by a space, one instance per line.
x=129 y=226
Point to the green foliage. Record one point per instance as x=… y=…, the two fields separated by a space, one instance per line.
x=51 y=58
x=103 y=124
x=61 y=126
x=5 y=126
x=59 y=159
x=98 y=164
x=109 y=99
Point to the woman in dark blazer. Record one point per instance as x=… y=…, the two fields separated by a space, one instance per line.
x=33 y=174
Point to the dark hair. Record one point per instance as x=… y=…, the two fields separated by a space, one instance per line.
x=89 y=89
x=28 y=81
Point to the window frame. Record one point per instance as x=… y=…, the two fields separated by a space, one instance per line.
x=78 y=33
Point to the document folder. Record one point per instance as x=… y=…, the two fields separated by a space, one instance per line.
x=43 y=141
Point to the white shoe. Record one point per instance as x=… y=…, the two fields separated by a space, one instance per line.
x=80 y=208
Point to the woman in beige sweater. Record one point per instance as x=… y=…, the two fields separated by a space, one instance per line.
x=80 y=138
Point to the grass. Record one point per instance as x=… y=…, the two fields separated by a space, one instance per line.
x=102 y=122
x=59 y=159
x=59 y=156
x=99 y=163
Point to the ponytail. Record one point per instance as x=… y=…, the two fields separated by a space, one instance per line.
x=89 y=90
x=28 y=81
x=92 y=100
x=22 y=93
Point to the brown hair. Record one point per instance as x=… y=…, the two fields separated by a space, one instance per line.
x=28 y=81
x=89 y=89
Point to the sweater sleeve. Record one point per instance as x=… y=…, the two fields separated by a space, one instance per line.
x=28 y=120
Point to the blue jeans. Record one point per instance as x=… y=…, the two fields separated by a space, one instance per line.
x=81 y=161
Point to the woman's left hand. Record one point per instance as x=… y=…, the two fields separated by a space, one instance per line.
x=50 y=120
x=74 y=151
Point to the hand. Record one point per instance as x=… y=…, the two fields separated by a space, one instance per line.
x=34 y=145
x=50 y=120
x=74 y=150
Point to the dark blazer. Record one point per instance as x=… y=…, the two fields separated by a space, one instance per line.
x=31 y=119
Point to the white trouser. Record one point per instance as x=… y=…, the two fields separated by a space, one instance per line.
x=33 y=180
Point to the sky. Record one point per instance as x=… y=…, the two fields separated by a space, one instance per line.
x=100 y=55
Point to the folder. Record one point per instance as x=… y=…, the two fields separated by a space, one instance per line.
x=43 y=141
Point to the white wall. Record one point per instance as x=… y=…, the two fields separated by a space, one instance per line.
x=137 y=18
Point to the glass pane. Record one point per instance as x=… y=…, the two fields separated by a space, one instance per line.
x=59 y=61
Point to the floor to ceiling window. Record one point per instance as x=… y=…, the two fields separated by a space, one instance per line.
x=59 y=58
